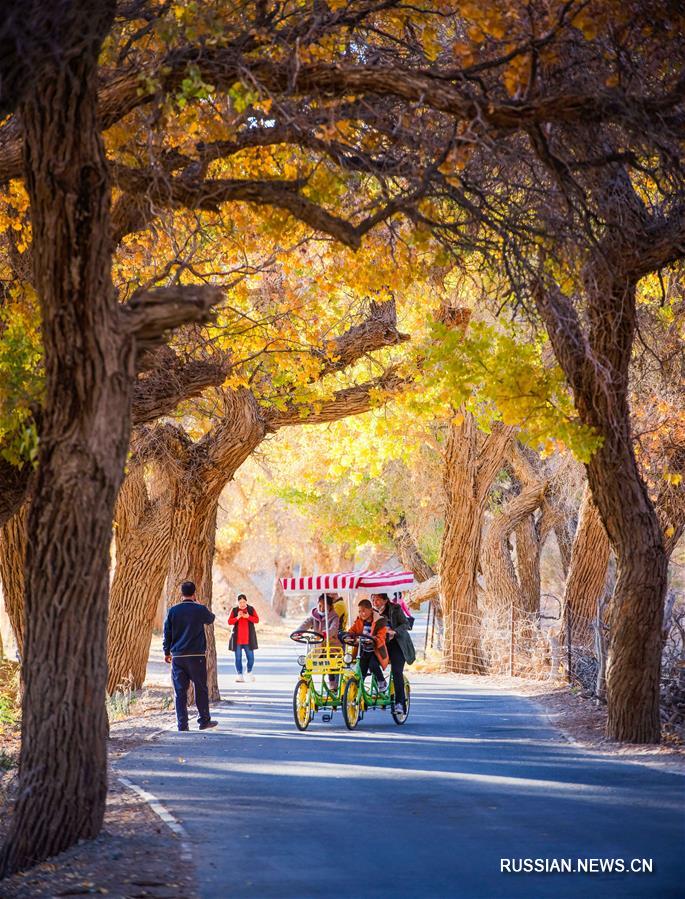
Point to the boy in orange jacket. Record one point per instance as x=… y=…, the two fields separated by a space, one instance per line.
x=370 y=624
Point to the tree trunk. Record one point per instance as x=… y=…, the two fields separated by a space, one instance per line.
x=588 y=572
x=283 y=567
x=409 y=553
x=634 y=659
x=596 y=365
x=459 y=565
x=502 y=585
x=143 y=544
x=12 y=561
x=467 y=476
x=193 y=534
x=411 y=557
x=528 y=549
x=89 y=370
x=565 y=531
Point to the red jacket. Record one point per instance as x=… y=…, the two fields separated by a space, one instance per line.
x=378 y=631
x=242 y=631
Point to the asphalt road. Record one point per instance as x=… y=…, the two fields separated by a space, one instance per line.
x=425 y=810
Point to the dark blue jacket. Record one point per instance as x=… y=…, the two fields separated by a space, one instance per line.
x=184 y=629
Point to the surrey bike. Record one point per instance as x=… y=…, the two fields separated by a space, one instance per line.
x=322 y=678
x=357 y=698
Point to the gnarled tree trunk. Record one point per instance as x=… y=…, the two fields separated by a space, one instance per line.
x=597 y=365
x=143 y=544
x=89 y=367
x=528 y=549
x=411 y=557
x=409 y=553
x=502 y=584
x=588 y=572
x=283 y=567
x=193 y=534
x=468 y=475
x=12 y=561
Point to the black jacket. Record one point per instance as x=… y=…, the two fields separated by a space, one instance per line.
x=184 y=629
x=253 y=631
x=398 y=622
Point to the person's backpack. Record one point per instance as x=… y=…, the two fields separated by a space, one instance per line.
x=410 y=618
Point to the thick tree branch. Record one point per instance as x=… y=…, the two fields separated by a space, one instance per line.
x=169 y=380
x=566 y=335
x=350 y=401
x=150 y=315
x=426 y=591
x=407 y=549
x=156 y=189
x=662 y=244
x=378 y=330
x=491 y=454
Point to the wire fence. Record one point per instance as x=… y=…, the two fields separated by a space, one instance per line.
x=552 y=644
x=587 y=648
x=513 y=641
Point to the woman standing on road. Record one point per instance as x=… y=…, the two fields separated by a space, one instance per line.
x=398 y=642
x=244 y=637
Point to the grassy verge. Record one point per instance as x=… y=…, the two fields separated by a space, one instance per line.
x=128 y=703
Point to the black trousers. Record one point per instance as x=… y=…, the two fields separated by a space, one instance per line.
x=397 y=664
x=184 y=670
x=369 y=662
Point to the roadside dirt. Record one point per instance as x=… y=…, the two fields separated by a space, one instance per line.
x=582 y=719
x=136 y=855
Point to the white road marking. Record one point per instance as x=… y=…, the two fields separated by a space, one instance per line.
x=172 y=823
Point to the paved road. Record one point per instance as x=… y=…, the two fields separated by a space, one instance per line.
x=424 y=810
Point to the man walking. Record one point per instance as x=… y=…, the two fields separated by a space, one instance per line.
x=185 y=647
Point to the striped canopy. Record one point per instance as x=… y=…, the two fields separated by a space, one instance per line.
x=391 y=579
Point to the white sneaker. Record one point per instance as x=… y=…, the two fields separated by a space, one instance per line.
x=250 y=677
x=240 y=679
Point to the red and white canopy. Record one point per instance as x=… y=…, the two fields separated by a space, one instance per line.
x=391 y=579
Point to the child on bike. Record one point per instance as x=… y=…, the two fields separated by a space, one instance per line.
x=370 y=624
x=324 y=621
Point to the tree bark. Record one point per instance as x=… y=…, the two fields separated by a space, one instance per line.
x=13 y=540
x=193 y=534
x=502 y=585
x=411 y=557
x=588 y=572
x=143 y=544
x=283 y=567
x=468 y=476
x=528 y=549
x=596 y=365
x=90 y=344
x=634 y=660
x=89 y=367
x=409 y=553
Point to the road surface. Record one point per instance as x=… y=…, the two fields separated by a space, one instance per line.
x=429 y=809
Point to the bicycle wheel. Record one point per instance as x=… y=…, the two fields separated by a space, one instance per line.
x=398 y=716
x=351 y=703
x=302 y=704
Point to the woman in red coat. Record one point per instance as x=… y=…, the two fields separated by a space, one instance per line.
x=244 y=637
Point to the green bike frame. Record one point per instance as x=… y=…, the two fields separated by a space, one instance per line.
x=356 y=698
x=308 y=699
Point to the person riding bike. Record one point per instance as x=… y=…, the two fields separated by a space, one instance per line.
x=370 y=624
x=323 y=620
x=318 y=620
x=399 y=643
